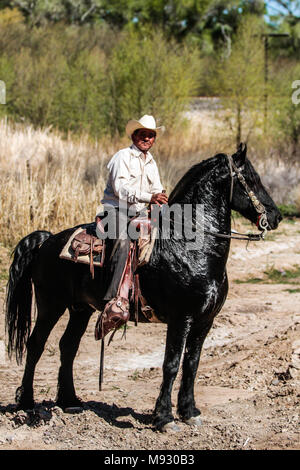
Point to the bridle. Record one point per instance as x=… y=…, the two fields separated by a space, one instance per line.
x=262 y=220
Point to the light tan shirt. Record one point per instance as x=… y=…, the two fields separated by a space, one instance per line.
x=132 y=178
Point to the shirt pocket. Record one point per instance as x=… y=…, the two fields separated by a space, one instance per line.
x=135 y=171
x=150 y=173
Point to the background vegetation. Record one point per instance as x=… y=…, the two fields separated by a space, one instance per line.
x=76 y=71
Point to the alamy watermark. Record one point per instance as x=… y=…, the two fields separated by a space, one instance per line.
x=2 y=92
x=176 y=222
x=296 y=94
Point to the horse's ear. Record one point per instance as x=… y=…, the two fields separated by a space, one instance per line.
x=240 y=154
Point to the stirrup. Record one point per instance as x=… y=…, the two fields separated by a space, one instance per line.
x=115 y=314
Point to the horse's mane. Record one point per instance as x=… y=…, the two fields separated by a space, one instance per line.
x=195 y=174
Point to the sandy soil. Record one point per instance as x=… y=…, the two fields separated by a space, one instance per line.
x=247 y=384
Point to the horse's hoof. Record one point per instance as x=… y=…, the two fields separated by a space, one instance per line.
x=74 y=404
x=23 y=402
x=194 y=421
x=28 y=407
x=170 y=427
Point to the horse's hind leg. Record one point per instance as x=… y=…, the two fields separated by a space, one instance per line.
x=186 y=402
x=69 y=343
x=45 y=322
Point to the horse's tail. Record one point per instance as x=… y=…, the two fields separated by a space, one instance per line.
x=19 y=292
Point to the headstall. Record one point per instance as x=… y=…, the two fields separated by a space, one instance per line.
x=262 y=220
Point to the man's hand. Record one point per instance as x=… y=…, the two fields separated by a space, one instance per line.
x=160 y=198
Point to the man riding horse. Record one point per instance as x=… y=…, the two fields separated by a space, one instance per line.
x=133 y=183
x=185 y=287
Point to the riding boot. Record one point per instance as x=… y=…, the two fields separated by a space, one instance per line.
x=114 y=315
x=116 y=311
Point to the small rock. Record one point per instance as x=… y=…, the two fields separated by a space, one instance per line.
x=294 y=373
x=2 y=353
x=275 y=382
x=295 y=361
x=20 y=418
x=296 y=318
x=73 y=409
x=296 y=345
x=44 y=415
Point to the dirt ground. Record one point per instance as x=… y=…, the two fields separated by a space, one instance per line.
x=247 y=385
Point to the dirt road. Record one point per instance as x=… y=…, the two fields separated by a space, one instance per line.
x=247 y=384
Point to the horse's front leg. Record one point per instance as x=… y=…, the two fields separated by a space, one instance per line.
x=163 y=418
x=186 y=402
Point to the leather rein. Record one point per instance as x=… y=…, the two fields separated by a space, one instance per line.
x=262 y=221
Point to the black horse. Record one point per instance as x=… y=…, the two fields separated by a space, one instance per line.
x=185 y=287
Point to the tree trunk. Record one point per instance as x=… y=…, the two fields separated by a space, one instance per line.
x=239 y=125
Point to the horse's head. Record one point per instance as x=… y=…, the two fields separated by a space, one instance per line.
x=248 y=195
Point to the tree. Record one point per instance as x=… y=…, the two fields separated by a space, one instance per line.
x=198 y=20
x=284 y=16
x=286 y=106
x=149 y=75
x=239 y=79
x=39 y=12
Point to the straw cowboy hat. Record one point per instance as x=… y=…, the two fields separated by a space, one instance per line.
x=146 y=122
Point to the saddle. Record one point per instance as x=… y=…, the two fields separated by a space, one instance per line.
x=85 y=247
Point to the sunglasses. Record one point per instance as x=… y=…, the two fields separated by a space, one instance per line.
x=143 y=134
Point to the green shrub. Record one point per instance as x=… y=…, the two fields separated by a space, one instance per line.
x=283 y=276
x=58 y=81
x=284 y=114
x=84 y=79
x=239 y=79
x=276 y=276
x=7 y=75
x=288 y=210
x=149 y=75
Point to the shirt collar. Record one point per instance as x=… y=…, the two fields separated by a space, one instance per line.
x=138 y=153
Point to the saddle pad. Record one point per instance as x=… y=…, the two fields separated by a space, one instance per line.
x=68 y=253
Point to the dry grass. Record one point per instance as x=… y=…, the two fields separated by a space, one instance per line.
x=52 y=182
x=47 y=182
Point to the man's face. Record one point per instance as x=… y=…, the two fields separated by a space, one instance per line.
x=143 y=139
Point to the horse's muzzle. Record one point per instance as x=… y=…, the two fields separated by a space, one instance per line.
x=270 y=223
